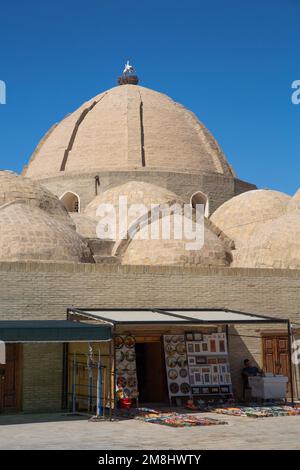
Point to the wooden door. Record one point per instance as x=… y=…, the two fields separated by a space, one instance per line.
x=276 y=356
x=10 y=381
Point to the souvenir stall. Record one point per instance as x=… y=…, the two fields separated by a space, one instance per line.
x=197 y=365
x=193 y=361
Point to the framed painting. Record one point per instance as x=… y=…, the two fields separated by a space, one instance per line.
x=201 y=360
x=191 y=360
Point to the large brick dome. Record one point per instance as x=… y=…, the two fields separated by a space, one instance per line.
x=128 y=128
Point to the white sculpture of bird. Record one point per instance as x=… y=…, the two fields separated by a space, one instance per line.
x=128 y=68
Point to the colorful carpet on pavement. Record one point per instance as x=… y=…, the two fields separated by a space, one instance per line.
x=259 y=411
x=175 y=420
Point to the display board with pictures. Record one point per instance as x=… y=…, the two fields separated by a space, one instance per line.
x=126 y=376
x=209 y=369
x=176 y=365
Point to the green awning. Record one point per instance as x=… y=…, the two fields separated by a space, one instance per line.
x=59 y=331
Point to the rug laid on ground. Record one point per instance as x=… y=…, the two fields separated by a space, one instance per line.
x=259 y=411
x=175 y=420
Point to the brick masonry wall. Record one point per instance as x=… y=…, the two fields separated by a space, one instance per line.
x=45 y=290
x=218 y=188
x=42 y=377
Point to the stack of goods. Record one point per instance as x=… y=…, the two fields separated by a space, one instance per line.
x=126 y=377
x=176 y=365
x=260 y=411
x=175 y=419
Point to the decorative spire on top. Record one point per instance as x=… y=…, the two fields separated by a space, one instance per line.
x=128 y=76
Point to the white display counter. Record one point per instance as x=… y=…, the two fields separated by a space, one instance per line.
x=268 y=387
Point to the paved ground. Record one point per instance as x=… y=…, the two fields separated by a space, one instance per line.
x=61 y=432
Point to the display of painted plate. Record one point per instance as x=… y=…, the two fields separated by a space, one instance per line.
x=172 y=374
x=172 y=362
x=174 y=387
x=119 y=356
x=182 y=362
x=183 y=373
x=180 y=348
x=130 y=355
x=131 y=371
x=129 y=341
x=121 y=382
x=168 y=339
x=181 y=338
x=174 y=339
x=170 y=350
x=184 y=388
x=131 y=382
x=119 y=342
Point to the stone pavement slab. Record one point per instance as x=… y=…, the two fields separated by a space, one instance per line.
x=57 y=431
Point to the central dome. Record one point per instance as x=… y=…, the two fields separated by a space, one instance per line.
x=128 y=128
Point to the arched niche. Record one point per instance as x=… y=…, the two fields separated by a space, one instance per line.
x=71 y=201
x=200 y=198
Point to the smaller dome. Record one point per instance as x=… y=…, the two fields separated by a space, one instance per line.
x=136 y=193
x=173 y=252
x=28 y=233
x=242 y=215
x=294 y=203
x=16 y=188
x=275 y=245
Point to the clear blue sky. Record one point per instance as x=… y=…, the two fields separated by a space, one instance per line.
x=230 y=61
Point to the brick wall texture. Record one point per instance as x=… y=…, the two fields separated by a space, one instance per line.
x=45 y=290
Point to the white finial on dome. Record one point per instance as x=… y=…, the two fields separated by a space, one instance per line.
x=128 y=76
x=128 y=68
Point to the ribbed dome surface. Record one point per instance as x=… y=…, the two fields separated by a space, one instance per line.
x=128 y=127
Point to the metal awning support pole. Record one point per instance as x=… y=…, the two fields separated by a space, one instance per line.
x=110 y=372
x=74 y=385
x=290 y=360
x=115 y=373
x=90 y=377
x=99 y=388
x=104 y=391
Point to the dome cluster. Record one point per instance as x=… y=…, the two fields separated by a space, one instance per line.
x=141 y=248
x=265 y=227
x=257 y=229
x=134 y=144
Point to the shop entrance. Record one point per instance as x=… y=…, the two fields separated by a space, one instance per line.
x=151 y=374
x=10 y=379
x=276 y=356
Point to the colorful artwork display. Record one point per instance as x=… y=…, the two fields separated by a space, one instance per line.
x=197 y=364
x=209 y=370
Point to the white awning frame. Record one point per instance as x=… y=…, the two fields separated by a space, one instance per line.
x=169 y=316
